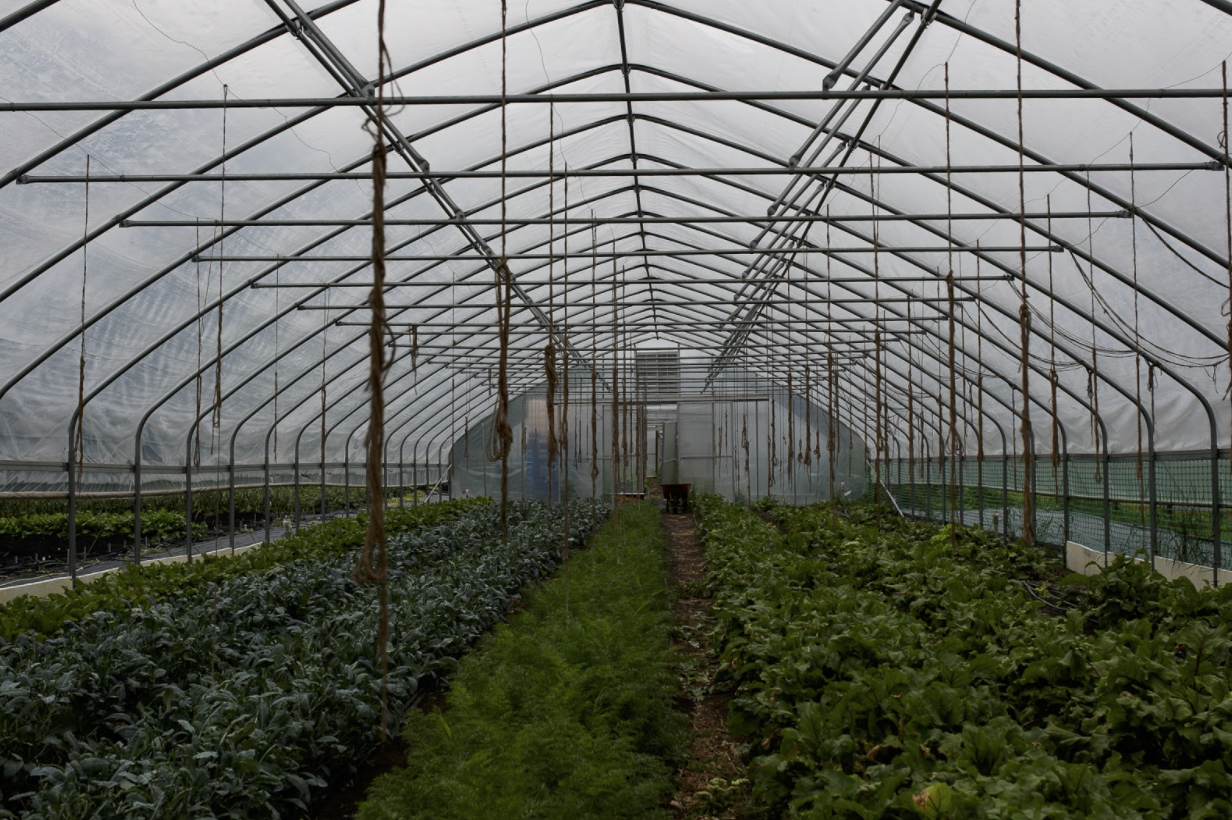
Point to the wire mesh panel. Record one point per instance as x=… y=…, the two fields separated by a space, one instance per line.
x=1107 y=505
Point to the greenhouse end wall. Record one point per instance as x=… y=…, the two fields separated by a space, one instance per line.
x=709 y=451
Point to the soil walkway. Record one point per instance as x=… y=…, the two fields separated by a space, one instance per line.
x=713 y=784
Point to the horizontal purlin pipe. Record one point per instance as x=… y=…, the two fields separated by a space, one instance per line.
x=663 y=96
x=756 y=170
x=662 y=302
x=633 y=253
x=618 y=220
x=663 y=324
x=847 y=280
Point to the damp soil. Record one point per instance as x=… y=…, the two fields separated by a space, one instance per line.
x=713 y=784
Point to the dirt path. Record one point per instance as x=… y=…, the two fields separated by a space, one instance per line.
x=713 y=785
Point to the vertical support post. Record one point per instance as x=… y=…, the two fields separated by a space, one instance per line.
x=1005 y=490
x=346 y=479
x=266 y=494
x=911 y=477
x=401 y=486
x=188 y=510
x=324 y=509
x=1152 y=506
x=1107 y=495
x=1216 y=546
x=979 y=478
x=137 y=512
x=1065 y=505
x=295 y=491
x=231 y=503
x=961 y=501
x=72 y=520
x=1032 y=464
x=945 y=484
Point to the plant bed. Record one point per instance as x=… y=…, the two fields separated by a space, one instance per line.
x=26 y=539
x=565 y=712
x=119 y=591
x=244 y=696
x=889 y=673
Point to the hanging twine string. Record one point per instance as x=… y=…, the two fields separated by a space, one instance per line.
x=744 y=443
x=1093 y=393
x=1052 y=357
x=910 y=398
x=415 y=349
x=1133 y=229
x=594 y=366
x=626 y=428
x=79 y=439
x=949 y=285
x=324 y=354
x=832 y=422
x=808 y=381
x=1227 y=194
x=277 y=353
x=564 y=416
x=549 y=350
x=941 y=433
x=791 y=426
x=833 y=398
x=564 y=292
x=1024 y=313
x=1093 y=375
x=1150 y=385
x=222 y=234
x=643 y=429
x=979 y=383
x=808 y=420
x=615 y=383
x=791 y=409
x=200 y=380
x=373 y=559
x=500 y=439
x=877 y=442
x=771 y=443
x=954 y=445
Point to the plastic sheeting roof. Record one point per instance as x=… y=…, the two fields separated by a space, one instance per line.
x=151 y=302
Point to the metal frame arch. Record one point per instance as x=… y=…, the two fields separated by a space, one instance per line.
x=249 y=335
x=1069 y=306
x=649 y=5
x=920 y=7
x=281 y=202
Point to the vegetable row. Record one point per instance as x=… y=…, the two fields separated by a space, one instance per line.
x=566 y=712
x=243 y=696
x=897 y=671
x=133 y=585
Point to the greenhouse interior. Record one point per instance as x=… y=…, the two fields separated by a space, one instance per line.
x=631 y=409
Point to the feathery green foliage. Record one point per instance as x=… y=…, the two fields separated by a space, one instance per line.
x=565 y=713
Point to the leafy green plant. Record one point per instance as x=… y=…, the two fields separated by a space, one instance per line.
x=158 y=525
x=885 y=672
x=117 y=592
x=566 y=712
x=241 y=697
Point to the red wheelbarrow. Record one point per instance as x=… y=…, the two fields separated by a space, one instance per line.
x=676 y=496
